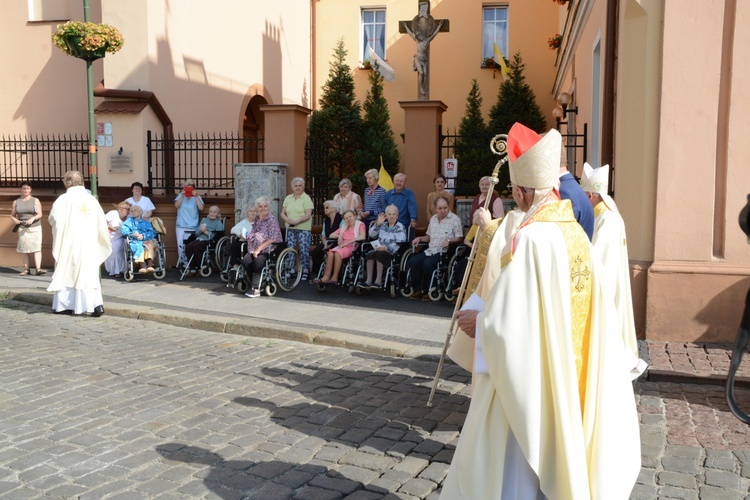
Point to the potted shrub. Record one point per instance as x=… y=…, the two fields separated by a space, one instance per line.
x=88 y=41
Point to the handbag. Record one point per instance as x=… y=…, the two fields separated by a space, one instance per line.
x=15 y=228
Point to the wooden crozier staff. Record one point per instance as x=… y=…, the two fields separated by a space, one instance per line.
x=499 y=146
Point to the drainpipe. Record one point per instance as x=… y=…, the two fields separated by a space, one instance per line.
x=608 y=110
x=153 y=102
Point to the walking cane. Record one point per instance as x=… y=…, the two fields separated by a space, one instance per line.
x=499 y=146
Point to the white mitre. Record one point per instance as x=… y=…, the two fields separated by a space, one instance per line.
x=596 y=180
x=537 y=166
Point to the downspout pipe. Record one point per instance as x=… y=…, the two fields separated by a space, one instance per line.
x=610 y=67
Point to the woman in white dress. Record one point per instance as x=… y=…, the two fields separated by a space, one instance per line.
x=116 y=263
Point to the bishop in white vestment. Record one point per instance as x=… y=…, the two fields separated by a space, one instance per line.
x=80 y=245
x=553 y=413
x=611 y=248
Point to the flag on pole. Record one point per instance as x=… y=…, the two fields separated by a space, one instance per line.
x=385 y=178
x=380 y=65
x=500 y=60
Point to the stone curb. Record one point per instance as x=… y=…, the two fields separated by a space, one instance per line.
x=256 y=328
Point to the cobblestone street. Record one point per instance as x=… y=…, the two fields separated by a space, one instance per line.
x=125 y=408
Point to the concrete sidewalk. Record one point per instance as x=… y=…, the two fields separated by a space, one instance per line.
x=206 y=305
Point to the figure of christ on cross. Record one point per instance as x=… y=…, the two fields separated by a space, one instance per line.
x=423 y=29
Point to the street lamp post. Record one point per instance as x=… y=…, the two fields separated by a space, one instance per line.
x=92 y=118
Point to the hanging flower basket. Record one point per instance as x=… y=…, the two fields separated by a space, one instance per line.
x=87 y=41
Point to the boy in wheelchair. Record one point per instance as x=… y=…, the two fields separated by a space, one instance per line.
x=141 y=239
x=209 y=227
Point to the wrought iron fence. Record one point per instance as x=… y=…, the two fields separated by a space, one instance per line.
x=576 y=148
x=318 y=181
x=42 y=160
x=208 y=159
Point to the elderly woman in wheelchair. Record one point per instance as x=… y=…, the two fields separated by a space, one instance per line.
x=387 y=234
x=141 y=239
x=261 y=241
x=209 y=227
x=349 y=235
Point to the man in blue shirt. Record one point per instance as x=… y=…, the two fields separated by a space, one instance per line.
x=405 y=201
x=571 y=190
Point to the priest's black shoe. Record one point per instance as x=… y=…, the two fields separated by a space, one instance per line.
x=64 y=311
x=98 y=311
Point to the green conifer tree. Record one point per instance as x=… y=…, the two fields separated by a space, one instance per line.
x=377 y=138
x=516 y=103
x=335 y=130
x=475 y=159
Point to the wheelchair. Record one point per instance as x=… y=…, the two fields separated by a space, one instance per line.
x=159 y=260
x=443 y=279
x=352 y=270
x=393 y=277
x=209 y=259
x=282 y=269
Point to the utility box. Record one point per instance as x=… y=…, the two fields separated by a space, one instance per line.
x=252 y=180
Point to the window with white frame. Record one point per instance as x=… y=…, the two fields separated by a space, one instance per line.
x=48 y=10
x=494 y=31
x=373 y=33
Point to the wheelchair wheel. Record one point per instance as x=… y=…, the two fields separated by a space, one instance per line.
x=449 y=296
x=241 y=286
x=288 y=269
x=224 y=276
x=128 y=275
x=206 y=270
x=392 y=290
x=160 y=274
x=271 y=289
x=405 y=271
x=435 y=294
x=221 y=255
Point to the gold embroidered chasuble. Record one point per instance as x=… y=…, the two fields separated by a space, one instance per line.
x=554 y=388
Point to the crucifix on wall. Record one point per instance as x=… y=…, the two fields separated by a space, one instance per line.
x=423 y=29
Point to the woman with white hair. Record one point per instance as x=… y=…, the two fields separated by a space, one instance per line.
x=116 y=263
x=261 y=241
x=374 y=197
x=346 y=199
x=297 y=215
x=331 y=224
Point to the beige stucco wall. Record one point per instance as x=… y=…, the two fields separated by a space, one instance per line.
x=43 y=90
x=455 y=57
x=202 y=59
x=637 y=121
x=701 y=267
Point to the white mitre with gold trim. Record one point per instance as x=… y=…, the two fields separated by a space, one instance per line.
x=596 y=180
x=534 y=160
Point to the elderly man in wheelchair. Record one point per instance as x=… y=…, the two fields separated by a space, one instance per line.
x=444 y=229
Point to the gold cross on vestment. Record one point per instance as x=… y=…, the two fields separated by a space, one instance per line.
x=85 y=210
x=579 y=274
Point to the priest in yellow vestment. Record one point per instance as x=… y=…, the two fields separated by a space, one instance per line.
x=553 y=411
x=80 y=243
x=611 y=248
